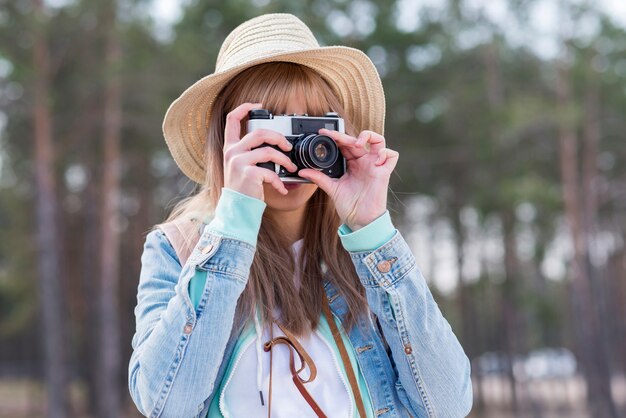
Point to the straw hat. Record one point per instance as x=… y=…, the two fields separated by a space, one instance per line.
x=268 y=38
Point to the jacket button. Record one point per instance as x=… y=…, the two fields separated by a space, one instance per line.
x=188 y=328
x=408 y=349
x=207 y=249
x=384 y=266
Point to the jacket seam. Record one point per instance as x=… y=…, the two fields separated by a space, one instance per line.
x=232 y=241
x=412 y=363
x=224 y=271
x=395 y=275
x=167 y=386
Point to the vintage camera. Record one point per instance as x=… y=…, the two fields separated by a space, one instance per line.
x=310 y=149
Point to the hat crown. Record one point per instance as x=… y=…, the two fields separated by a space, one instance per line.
x=264 y=36
x=271 y=38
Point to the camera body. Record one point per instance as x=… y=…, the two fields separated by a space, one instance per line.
x=310 y=149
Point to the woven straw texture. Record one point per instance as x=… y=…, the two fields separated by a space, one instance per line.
x=268 y=38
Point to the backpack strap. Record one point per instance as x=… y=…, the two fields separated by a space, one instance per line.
x=358 y=399
x=183 y=234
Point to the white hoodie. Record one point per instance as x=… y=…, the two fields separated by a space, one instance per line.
x=250 y=375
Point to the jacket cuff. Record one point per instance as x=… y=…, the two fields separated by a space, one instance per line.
x=386 y=266
x=370 y=237
x=237 y=216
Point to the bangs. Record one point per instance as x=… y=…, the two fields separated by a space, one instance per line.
x=293 y=79
x=274 y=83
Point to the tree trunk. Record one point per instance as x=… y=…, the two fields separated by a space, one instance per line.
x=598 y=276
x=48 y=240
x=91 y=232
x=512 y=330
x=588 y=333
x=109 y=373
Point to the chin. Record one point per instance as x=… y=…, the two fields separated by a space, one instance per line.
x=296 y=198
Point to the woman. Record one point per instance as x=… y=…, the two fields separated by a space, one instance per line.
x=253 y=278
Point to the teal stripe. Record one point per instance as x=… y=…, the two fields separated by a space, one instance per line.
x=237 y=216
x=370 y=237
x=249 y=333
x=326 y=332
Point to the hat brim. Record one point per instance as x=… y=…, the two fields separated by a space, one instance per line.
x=349 y=71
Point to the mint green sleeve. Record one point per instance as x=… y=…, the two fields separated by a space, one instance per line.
x=370 y=237
x=237 y=216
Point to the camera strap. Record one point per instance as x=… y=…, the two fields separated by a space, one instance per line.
x=305 y=359
x=183 y=235
x=344 y=357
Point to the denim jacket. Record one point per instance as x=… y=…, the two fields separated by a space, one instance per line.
x=412 y=362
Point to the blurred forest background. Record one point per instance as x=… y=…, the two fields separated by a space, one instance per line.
x=509 y=116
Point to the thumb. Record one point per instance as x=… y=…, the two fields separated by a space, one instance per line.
x=324 y=182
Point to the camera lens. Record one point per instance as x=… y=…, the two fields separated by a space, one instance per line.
x=321 y=151
x=316 y=151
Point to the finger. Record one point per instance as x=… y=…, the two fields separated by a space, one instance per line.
x=274 y=180
x=339 y=137
x=346 y=143
x=263 y=136
x=232 y=130
x=388 y=158
x=268 y=176
x=266 y=154
x=324 y=182
x=392 y=160
x=376 y=141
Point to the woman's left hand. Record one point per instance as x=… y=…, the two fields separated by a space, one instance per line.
x=360 y=195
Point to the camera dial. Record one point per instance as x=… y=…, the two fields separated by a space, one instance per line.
x=260 y=114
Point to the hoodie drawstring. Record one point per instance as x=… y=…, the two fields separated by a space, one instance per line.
x=259 y=353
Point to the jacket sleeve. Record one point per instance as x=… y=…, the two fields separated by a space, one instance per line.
x=177 y=350
x=433 y=370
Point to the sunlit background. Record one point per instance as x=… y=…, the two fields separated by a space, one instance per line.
x=510 y=120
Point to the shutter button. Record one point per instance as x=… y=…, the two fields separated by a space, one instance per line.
x=384 y=266
x=207 y=249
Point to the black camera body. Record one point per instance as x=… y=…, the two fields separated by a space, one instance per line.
x=310 y=149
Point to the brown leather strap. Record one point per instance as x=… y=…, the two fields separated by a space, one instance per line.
x=305 y=358
x=269 y=404
x=292 y=342
x=305 y=394
x=344 y=357
x=184 y=234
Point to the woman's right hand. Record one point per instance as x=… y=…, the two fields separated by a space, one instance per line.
x=241 y=155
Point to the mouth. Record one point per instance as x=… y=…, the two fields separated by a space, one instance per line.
x=292 y=186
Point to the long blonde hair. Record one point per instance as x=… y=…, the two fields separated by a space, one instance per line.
x=271 y=282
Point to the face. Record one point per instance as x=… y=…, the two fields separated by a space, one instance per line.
x=298 y=193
